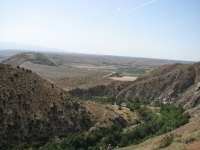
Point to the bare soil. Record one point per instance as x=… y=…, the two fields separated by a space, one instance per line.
x=123 y=78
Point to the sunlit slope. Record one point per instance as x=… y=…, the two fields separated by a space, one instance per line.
x=32 y=57
x=177 y=84
x=186 y=137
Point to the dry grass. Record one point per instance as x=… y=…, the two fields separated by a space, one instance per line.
x=128 y=115
x=61 y=71
x=20 y=58
x=100 y=115
x=187 y=137
x=103 y=114
x=83 y=82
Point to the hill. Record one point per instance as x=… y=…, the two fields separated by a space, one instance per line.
x=177 y=84
x=32 y=57
x=34 y=110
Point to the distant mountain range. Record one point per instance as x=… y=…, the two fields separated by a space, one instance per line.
x=25 y=47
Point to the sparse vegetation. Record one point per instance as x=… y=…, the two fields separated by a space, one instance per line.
x=187 y=138
x=166 y=141
x=34 y=111
x=36 y=58
x=32 y=120
x=114 y=135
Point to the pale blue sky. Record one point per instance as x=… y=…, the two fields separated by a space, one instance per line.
x=167 y=29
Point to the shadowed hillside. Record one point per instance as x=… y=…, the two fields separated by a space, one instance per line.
x=32 y=57
x=32 y=109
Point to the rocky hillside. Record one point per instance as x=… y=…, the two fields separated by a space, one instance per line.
x=32 y=109
x=32 y=57
x=177 y=84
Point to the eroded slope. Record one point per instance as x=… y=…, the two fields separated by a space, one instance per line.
x=176 y=84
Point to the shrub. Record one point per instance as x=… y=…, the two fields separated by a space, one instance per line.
x=191 y=137
x=23 y=145
x=166 y=141
x=4 y=145
x=137 y=121
x=35 y=145
x=29 y=71
x=16 y=75
x=1 y=110
x=11 y=79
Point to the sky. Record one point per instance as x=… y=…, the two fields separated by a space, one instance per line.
x=164 y=29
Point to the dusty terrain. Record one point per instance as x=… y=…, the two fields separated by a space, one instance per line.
x=76 y=65
x=83 y=82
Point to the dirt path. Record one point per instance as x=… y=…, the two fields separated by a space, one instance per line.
x=100 y=120
x=103 y=115
x=123 y=78
x=114 y=76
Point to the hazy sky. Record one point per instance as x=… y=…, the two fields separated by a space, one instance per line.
x=168 y=29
